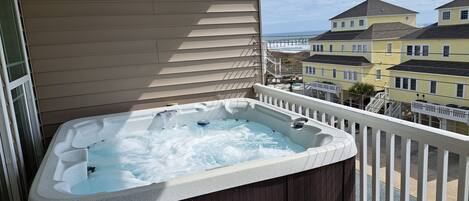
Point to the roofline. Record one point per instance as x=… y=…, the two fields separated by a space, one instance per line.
x=445 y=75
x=440 y=8
x=375 y=16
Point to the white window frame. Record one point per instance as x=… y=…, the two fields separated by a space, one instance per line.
x=463 y=90
x=361 y=25
x=343 y=24
x=460 y=14
x=436 y=87
x=334 y=73
x=409 y=83
x=407 y=48
x=443 y=51
x=379 y=75
x=354 y=48
x=352 y=23
x=389 y=51
x=334 y=25
x=343 y=48
x=428 y=53
x=323 y=73
x=443 y=15
x=31 y=112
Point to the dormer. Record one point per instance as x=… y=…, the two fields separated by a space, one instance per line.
x=454 y=13
x=371 y=12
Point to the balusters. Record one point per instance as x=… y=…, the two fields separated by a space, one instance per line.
x=323 y=117
x=442 y=174
x=342 y=124
x=423 y=172
x=307 y=112
x=363 y=162
x=315 y=115
x=293 y=108
x=405 y=168
x=353 y=129
x=463 y=184
x=376 y=140
x=390 y=156
x=332 y=123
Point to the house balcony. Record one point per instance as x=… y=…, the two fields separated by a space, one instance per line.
x=324 y=87
x=386 y=146
x=441 y=111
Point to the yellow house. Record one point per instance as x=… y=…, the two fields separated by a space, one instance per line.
x=432 y=80
x=360 y=46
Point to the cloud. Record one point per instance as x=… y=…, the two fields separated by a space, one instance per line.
x=303 y=15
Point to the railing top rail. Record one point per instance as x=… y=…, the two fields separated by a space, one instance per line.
x=442 y=106
x=447 y=140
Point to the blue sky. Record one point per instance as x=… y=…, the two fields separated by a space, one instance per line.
x=283 y=16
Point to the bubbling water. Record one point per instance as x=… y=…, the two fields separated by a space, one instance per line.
x=141 y=158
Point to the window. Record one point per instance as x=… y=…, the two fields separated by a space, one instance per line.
x=346 y=75
x=349 y=75
x=360 y=48
x=397 y=82
x=413 y=84
x=343 y=24
x=354 y=48
x=447 y=15
x=321 y=48
x=352 y=23
x=331 y=48
x=389 y=49
x=405 y=83
x=425 y=50
x=334 y=25
x=334 y=73
x=417 y=50
x=365 y=48
x=361 y=23
x=314 y=48
x=313 y=70
x=460 y=90
x=378 y=74
x=410 y=50
x=322 y=72
x=343 y=48
x=446 y=51
x=433 y=87
x=464 y=14
x=355 y=77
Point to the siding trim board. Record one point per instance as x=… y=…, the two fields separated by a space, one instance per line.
x=92 y=58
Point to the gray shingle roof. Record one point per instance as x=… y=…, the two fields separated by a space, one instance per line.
x=434 y=67
x=455 y=3
x=341 y=60
x=373 y=8
x=440 y=32
x=374 y=32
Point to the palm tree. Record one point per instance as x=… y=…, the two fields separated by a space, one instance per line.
x=359 y=91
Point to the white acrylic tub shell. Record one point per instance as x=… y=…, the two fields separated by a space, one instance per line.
x=65 y=163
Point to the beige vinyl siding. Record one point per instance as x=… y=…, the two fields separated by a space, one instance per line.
x=100 y=57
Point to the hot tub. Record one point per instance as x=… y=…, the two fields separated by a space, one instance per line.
x=190 y=151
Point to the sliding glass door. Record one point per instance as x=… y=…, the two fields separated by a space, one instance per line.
x=21 y=141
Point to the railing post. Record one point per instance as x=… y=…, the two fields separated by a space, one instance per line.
x=442 y=175
x=422 y=172
x=363 y=162
x=405 y=168
x=390 y=148
x=376 y=140
x=463 y=184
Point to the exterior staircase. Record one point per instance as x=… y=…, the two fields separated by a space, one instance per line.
x=377 y=102
x=394 y=110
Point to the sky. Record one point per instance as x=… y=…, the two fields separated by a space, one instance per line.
x=286 y=16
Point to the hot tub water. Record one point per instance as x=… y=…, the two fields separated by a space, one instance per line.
x=167 y=151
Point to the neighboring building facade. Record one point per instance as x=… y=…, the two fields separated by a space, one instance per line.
x=437 y=58
x=360 y=47
x=424 y=70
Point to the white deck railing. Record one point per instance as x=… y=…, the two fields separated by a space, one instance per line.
x=441 y=111
x=347 y=118
x=330 y=88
